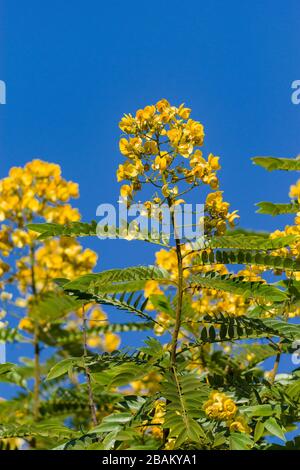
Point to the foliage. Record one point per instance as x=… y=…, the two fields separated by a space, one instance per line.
x=214 y=310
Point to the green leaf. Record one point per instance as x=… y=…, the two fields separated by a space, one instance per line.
x=64 y=366
x=247 y=258
x=237 y=285
x=273 y=163
x=250 y=242
x=185 y=394
x=11 y=335
x=277 y=209
x=6 y=367
x=52 y=306
x=73 y=229
x=293 y=390
x=117 y=280
x=274 y=428
x=239 y=441
x=243 y=327
x=161 y=303
x=83 y=229
x=112 y=422
x=259 y=410
x=259 y=430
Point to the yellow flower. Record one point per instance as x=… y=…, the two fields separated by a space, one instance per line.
x=195 y=131
x=150 y=147
x=149 y=384
x=5 y=296
x=126 y=191
x=4 y=267
x=213 y=181
x=123 y=145
x=131 y=147
x=174 y=135
x=97 y=318
x=11 y=443
x=213 y=162
x=151 y=287
x=231 y=218
x=146 y=113
x=295 y=191
x=111 y=342
x=239 y=424
x=250 y=356
x=94 y=342
x=183 y=112
x=167 y=259
x=162 y=105
x=129 y=170
x=197 y=159
x=127 y=124
x=230 y=408
x=161 y=161
x=220 y=407
x=26 y=324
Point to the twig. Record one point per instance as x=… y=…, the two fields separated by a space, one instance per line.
x=88 y=372
x=276 y=364
x=37 y=368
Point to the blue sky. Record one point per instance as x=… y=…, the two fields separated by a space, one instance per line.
x=73 y=68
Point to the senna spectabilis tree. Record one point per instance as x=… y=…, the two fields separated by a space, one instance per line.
x=215 y=309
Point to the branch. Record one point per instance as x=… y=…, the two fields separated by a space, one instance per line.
x=87 y=371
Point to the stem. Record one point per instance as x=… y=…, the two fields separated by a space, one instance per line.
x=37 y=374
x=37 y=367
x=179 y=294
x=179 y=304
x=180 y=275
x=88 y=372
x=276 y=364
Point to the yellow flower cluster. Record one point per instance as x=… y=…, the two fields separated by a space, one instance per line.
x=151 y=288
x=161 y=147
x=63 y=257
x=106 y=342
x=37 y=189
x=218 y=214
x=222 y=408
x=158 y=418
x=292 y=250
x=204 y=301
x=148 y=385
x=213 y=301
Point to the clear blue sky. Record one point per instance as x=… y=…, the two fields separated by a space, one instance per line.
x=73 y=68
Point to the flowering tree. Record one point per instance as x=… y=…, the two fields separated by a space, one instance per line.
x=34 y=193
x=198 y=381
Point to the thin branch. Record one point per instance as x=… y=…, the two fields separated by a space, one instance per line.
x=87 y=370
x=37 y=367
x=276 y=364
x=179 y=297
